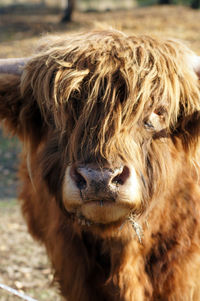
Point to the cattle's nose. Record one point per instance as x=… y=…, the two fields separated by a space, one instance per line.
x=98 y=179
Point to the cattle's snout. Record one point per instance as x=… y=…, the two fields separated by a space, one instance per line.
x=97 y=183
x=101 y=194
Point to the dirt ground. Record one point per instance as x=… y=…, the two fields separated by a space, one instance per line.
x=23 y=263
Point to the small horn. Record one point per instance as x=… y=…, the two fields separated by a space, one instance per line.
x=13 y=66
x=197 y=69
x=195 y=62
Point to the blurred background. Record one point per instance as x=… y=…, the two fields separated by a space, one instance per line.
x=23 y=264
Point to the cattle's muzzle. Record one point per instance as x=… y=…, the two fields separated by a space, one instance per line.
x=101 y=194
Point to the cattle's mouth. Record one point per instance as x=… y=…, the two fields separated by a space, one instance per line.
x=90 y=219
x=104 y=212
x=101 y=213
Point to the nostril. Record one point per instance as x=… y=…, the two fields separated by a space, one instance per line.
x=121 y=178
x=78 y=178
x=90 y=178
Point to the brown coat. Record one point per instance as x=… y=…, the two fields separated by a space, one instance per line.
x=105 y=99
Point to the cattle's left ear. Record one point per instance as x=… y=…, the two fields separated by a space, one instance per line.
x=188 y=128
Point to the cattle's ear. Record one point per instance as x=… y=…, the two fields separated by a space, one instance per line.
x=10 y=102
x=18 y=115
x=189 y=117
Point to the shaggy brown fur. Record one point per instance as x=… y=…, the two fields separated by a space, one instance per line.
x=91 y=98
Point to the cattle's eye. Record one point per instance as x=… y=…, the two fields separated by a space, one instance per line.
x=155 y=121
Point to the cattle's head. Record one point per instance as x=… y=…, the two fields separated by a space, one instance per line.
x=113 y=111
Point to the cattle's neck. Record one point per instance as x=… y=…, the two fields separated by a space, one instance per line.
x=98 y=253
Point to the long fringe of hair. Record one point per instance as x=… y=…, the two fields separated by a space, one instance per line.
x=97 y=86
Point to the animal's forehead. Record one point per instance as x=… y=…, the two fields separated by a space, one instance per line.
x=111 y=73
x=110 y=65
x=115 y=50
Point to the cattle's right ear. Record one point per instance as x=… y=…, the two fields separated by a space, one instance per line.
x=19 y=116
x=10 y=103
